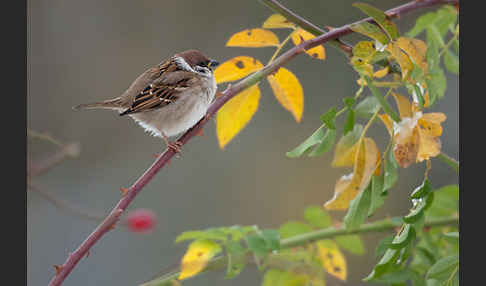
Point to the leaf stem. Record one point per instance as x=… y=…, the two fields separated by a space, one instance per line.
x=279 y=48
x=449 y=43
x=453 y=163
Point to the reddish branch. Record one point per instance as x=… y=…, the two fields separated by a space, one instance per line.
x=110 y=221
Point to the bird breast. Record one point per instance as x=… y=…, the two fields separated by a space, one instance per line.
x=182 y=114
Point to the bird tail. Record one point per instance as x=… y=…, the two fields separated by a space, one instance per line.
x=113 y=104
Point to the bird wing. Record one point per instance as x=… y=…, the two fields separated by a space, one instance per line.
x=165 y=89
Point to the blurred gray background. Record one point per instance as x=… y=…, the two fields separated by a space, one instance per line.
x=84 y=51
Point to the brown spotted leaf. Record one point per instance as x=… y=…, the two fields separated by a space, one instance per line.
x=300 y=34
x=332 y=259
x=277 y=21
x=236 y=68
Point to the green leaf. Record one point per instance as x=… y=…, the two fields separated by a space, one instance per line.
x=385 y=263
x=432 y=54
x=236 y=258
x=351 y=243
x=381 y=18
x=349 y=124
x=377 y=195
x=384 y=104
x=293 y=228
x=425 y=255
x=455 y=43
x=317 y=217
x=422 y=190
x=383 y=245
x=436 y=85
x=371 y=31
x=349 y=101
x=433 y=34
x=272 y=239
x=276 y=277
x=443 y=268
x=446 y=19
x=257 y=245
x=446 y=201
x=391 y=171
x=404 y=237
x=417 y=211
x=328 y=118
x=420 y=96
x=326 y=143
x=208 y=234
x=422 y=23
x=367 y=107
x=395 y=277
x=451 y=62
x=358 y=209
x=314 y=139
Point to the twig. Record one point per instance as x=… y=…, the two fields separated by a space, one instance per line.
x=66 y=151
x=229 y=93
x=44 y=136
x=61 y=204
x=306 y=25
x=303 y=239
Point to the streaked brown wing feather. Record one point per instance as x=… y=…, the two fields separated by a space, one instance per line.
x=164 y=90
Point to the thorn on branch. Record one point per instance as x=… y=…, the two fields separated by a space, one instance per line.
x=200 y=133
x=58 y=268
x=124 y=191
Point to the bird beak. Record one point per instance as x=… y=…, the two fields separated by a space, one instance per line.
x=212 y=64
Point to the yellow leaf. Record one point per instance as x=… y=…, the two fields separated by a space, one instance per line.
x=344 y=155
x=415 y=49
x=364 y=50
x=301 y=34
x=277 y=21
x=430 y=122
x=429 y=130
x=197 y=257
x=348 y=187
x=429 y=146
x=387 y=121
x=236 y=114
x=381 y=73
x=288 y=91
x=403 y=60
x=332 y=259
x=404 y=106
x=253 y=38
x=236 y=68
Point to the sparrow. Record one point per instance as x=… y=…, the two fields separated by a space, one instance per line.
x=169 y=98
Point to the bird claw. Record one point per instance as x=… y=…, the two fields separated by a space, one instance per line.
x=175 y=146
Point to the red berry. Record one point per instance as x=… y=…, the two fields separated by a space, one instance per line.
x=141 y=220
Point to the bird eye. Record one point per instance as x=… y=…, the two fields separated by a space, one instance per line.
x=202 y=69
